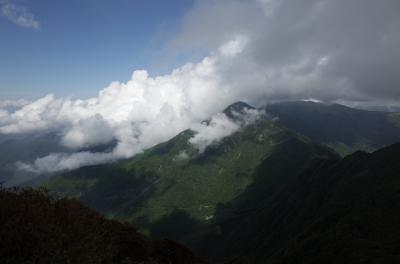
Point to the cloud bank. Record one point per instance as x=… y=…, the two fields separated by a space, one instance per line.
x=137 y=115
x=260 y=51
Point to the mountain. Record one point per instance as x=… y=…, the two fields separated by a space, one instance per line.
x=35 y=228
x=266 y=193
x=172 y=190
x=343 y=128
x=335 y=211
x=237 y=109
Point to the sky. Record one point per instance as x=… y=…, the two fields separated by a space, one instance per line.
x=77 y=47
x=139 y=72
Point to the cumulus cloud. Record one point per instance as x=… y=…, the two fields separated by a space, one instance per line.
x=88 y=132
x=19 y=15
x=260 y=51
x=137 y=115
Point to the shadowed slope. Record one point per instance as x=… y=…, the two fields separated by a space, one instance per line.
x=334 y=211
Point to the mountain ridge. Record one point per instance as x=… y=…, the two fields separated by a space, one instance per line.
x=217 y=200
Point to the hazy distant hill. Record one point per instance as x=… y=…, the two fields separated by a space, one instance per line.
x=27 y=148
x=342 y=128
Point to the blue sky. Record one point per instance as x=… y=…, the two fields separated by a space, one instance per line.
x=81 y=46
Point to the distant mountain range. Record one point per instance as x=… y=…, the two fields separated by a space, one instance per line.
x=342 y=128
x=277 y=190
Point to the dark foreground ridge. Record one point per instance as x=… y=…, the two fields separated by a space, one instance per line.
x=35 y=228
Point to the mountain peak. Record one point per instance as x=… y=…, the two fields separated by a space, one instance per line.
x=237 y=107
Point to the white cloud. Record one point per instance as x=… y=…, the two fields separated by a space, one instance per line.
x=138 y=114
x=221 y=126
x=36 y=116
x=19 y=15
x=88 y=132
x=62 y=161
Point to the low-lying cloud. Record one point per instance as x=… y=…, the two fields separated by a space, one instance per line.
x=260 y=51
x=221 y=126
x=63 y=161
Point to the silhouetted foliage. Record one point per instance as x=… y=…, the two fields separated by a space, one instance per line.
x=36 y=228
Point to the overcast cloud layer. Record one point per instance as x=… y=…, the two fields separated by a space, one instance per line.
x=261 y=50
